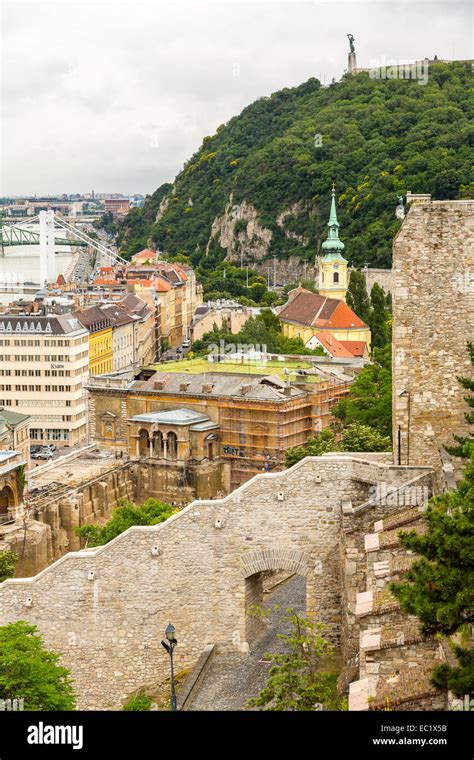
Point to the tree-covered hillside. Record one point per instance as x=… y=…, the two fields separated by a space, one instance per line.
x=378 y=139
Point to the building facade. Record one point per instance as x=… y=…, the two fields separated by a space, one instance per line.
x=308 y=315
x=222 y=312
x=15 y=433
x=251 y=420
x=122 y=334
x=43 y=370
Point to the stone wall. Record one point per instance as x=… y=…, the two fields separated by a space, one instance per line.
x=433 y=317
x=105 y=609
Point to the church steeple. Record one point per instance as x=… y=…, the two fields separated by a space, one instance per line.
x=333 y=265
x=333 y=243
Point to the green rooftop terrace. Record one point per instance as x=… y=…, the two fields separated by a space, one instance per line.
x=199 y=365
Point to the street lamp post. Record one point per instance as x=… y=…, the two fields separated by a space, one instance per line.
x=169 y=645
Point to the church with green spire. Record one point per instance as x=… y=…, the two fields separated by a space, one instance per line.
x=333 y=275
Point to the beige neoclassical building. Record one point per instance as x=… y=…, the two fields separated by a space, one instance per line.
x=43 y=369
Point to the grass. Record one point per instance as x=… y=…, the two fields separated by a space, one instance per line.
x=199 y=365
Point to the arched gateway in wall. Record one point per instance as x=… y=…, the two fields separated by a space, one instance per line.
x=256 y=565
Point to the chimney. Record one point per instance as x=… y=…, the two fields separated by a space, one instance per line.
x=158 y=385
x=184 y=386
x=207 y=387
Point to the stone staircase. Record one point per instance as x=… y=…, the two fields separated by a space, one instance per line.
x=394 y=660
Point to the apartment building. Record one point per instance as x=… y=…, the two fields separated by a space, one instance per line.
x=43 y=369
x=99 y=327
x=118 y=207
x=175 y=289
x=122 y=334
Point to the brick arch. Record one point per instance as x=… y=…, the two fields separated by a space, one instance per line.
x=292 y=560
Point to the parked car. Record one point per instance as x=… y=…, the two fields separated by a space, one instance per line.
x=43 y=454
x=34 y=449
x=50 y=447
x=186 y=343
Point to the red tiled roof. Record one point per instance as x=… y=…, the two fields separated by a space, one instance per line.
x=109 y=283
x=161 y=285
x=147 y=253
x=106 y=270
x=356 y=347
x=314 y=310
x=333 y=345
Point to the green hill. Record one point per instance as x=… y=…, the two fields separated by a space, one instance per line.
x=378 y=139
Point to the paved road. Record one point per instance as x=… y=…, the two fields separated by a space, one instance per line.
x=234 y=678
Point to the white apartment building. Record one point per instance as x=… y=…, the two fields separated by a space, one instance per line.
x=44 y=365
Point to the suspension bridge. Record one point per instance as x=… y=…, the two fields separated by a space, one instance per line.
x=54 y=231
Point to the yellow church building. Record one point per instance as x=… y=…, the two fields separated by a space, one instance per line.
x=318 y=317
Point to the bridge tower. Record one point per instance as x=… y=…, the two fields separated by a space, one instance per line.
x=47 y=246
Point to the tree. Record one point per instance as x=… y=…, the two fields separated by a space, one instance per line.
x=379 y=139
x=315 y=446
x=369 y=401
x=378 y=317
x=357 y=297
x=355 y=437
x=439 y=587
x=8 y=563
x=151 y=512
x=30 y=672
x=359 y=437
x=465 y=443
x=296 y=681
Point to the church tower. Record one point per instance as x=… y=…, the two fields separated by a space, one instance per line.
x=333 y=265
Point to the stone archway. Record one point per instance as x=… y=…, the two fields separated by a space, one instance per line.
x=143 y=443
x=7 y=500
x=260 y=561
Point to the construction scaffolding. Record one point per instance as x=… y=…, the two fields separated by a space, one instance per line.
x=256 y=434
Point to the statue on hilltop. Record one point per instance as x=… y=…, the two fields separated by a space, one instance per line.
x=350 y=37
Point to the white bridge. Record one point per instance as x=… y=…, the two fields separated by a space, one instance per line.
x=47 y=240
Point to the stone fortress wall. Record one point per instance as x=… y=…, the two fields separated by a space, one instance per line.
x=433 y=318
x=105 y=609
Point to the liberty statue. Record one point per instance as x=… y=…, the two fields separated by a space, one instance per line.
x=351 y=58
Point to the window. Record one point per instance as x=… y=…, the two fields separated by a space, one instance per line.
x=335 y=277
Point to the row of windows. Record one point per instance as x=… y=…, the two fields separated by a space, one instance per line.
x=102 y=367
x=43 y=342
x=30 y=402
x=54 y=434
x=39 y=388
x=43 y=358
x=42 y=373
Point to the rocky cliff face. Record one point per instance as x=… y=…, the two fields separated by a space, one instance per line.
x=246 y=241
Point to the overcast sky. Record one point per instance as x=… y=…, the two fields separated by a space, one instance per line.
x=115 y=97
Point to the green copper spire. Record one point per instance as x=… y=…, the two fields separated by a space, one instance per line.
x=333 y=245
